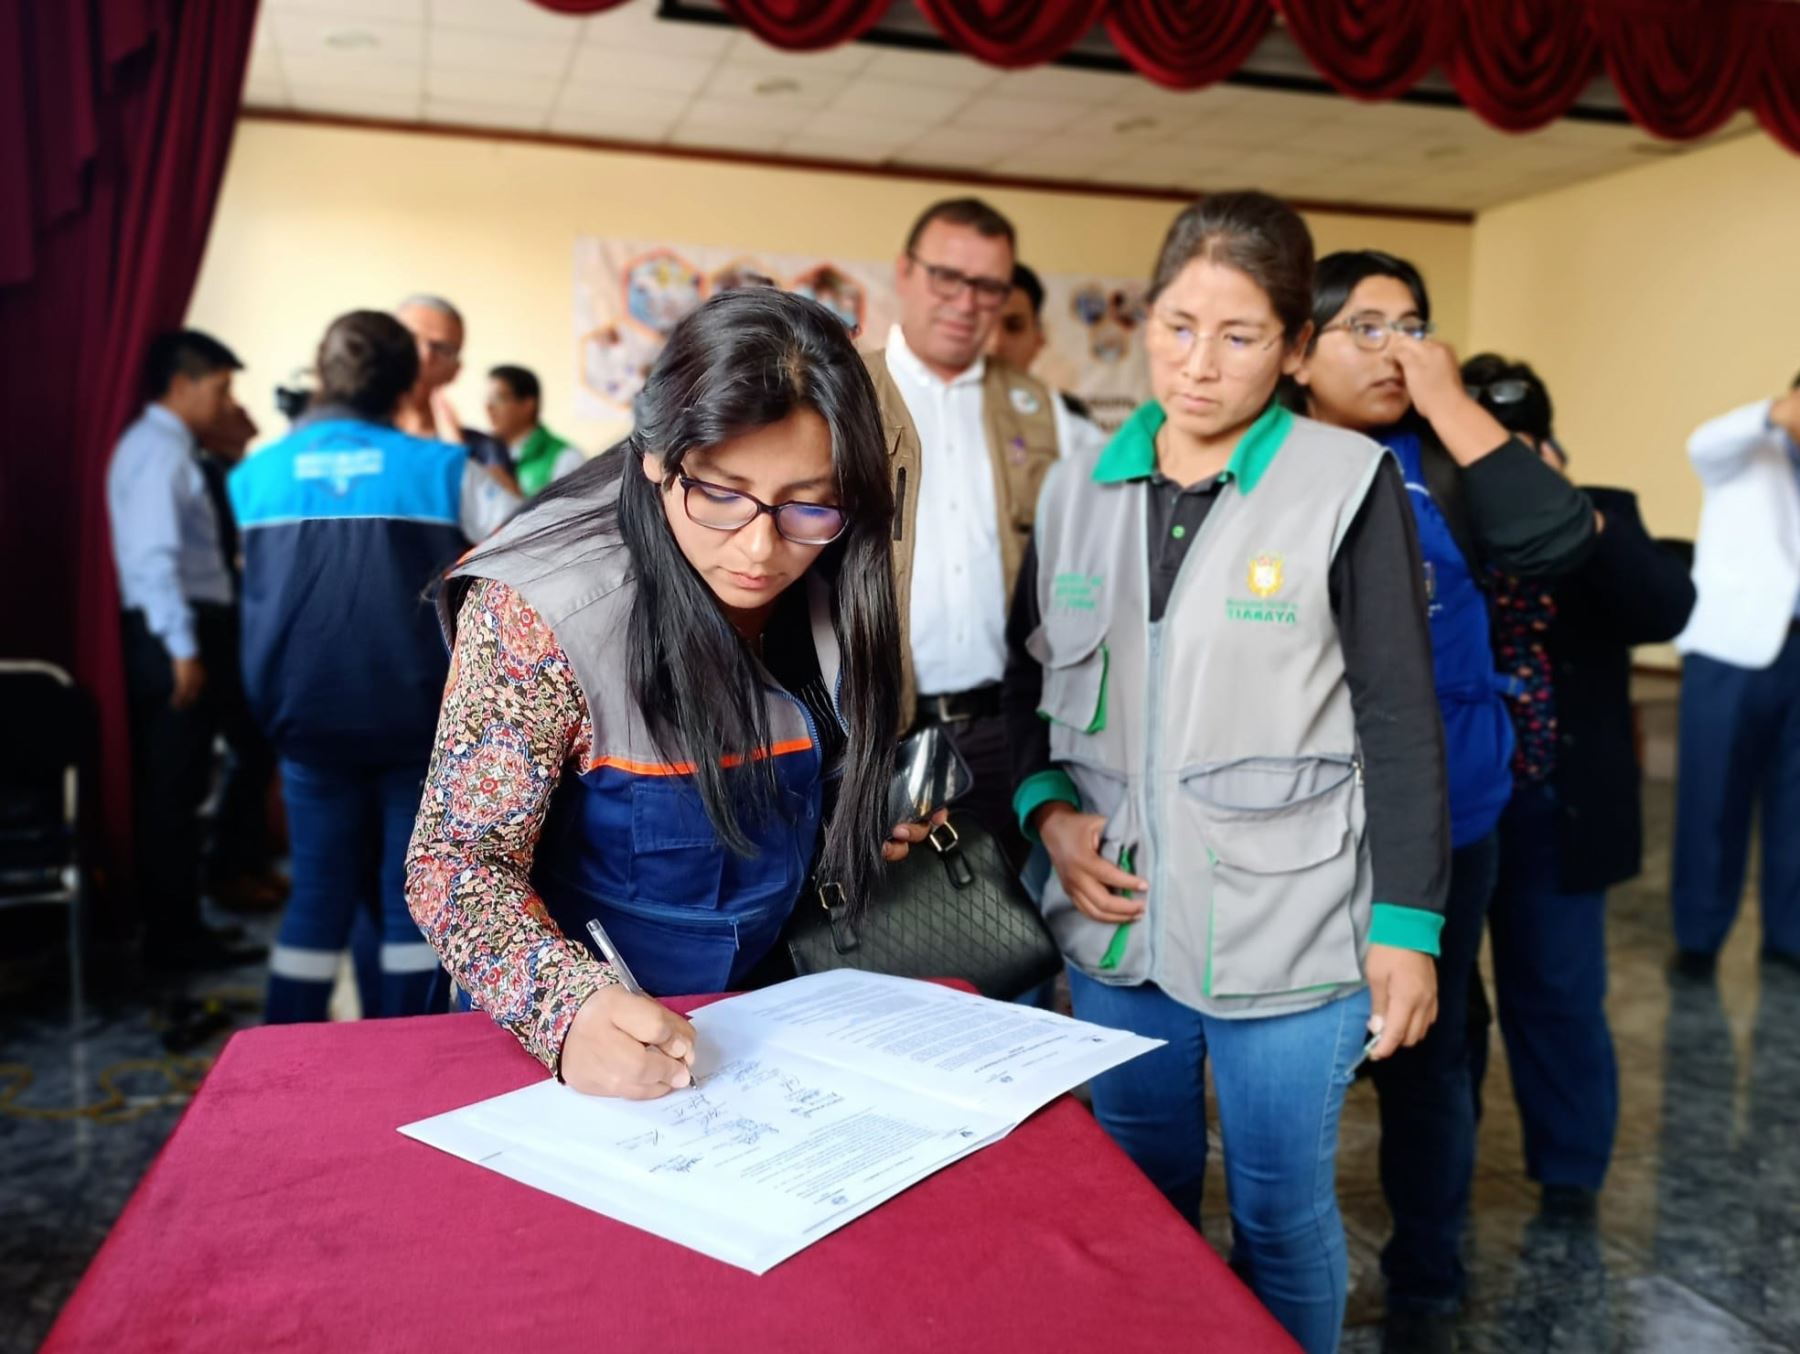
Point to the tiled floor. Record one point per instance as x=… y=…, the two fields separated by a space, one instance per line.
x=1697 y=1249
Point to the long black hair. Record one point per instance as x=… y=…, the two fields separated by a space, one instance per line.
x=745 y=360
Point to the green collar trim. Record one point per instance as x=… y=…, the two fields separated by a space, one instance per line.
x=1131 y=455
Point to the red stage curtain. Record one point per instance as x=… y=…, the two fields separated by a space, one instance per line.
x=1187 y=43
x=805 y=25
x=1776 y=98
x=1519 y=64
x=1013 y=32
x=1681 y=69
x=115 y=120
x=1371 y=49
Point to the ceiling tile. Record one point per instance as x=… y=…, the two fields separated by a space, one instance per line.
x=834 y=124
x=474 y=86
x=847 y=59
x=733 y=81
x=1034 y=165
x=347 y=40
x=929 y=68
x=1059 y=83
x=409 y=10
x=809 y=147
x=466 y=114
x=265 y=66
x=918 y=104
x=1178 y=103
x=592 y=99
x=1022 y=115
x=713 y=136
x=519 y=18
x=265 y=94
x=761 y=114
x=402 y=78
x=637 y=68
x=464 y=49
x=355 y=103
x=624 y=126
x=969 y=150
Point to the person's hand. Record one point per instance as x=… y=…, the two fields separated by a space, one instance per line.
x=624 y=1045
x=1785 y=414
x=190 y=681
x=908 y=835
x=1073 y=840
x=1403 y=993
x=1433 y=378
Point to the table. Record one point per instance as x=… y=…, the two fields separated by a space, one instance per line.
x=285 y=1212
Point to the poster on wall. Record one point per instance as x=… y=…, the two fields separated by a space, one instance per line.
x=629 y=294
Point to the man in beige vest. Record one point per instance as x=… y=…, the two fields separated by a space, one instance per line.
x=985 y=434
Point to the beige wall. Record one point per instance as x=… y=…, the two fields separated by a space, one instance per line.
x=1650 y=300
x=316 y=220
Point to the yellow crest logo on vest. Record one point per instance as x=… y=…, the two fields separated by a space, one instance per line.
x=1265 y=575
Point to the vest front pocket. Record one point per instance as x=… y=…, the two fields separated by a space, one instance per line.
x=1075 y=669
x=1281 y=858
x=677 y=859
x=1107 y=952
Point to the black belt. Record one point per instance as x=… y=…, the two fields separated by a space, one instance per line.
x=957 y=707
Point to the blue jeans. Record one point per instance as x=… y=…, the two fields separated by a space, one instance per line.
x=1281 y=1083
x=1739 y=753
x=1550 y=985
x=348 y=827
x=1428 y=1108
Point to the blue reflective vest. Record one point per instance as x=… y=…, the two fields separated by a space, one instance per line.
x=1478 y=732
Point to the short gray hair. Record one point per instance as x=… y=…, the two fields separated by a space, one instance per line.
x=426 y=301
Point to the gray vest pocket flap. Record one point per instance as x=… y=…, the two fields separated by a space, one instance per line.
x=1075 y=664
x=1273 y=815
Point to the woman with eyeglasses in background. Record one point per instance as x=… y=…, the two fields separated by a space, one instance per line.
x=1481 y=497
x=1574 y=827
x=660 y=667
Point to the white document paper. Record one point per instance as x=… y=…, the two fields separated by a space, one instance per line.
x=818 y=1099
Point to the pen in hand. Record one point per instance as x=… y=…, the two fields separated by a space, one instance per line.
x=627 y=979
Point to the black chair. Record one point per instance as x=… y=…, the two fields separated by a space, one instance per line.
x=43 y=728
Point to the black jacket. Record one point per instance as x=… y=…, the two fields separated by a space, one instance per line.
x=1629 y=590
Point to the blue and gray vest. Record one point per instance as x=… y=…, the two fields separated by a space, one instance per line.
x=627 y=840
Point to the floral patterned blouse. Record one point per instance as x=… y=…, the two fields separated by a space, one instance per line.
x=513 y=717
x=1523 y=613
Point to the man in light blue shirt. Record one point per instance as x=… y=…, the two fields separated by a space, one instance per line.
x=180 y=634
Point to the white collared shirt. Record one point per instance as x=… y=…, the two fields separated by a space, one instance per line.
x=959 y=600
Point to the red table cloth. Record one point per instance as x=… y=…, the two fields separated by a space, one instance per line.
x=285 y=1212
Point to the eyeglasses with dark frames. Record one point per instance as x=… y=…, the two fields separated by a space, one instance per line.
x=722 y=509
x=949 y=283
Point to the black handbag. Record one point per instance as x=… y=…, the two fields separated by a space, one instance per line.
x=954 y=908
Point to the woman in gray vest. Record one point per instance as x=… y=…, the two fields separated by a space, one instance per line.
x=1220 y=694
x=659 y=667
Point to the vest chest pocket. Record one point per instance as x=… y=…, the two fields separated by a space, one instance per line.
x=676 y=856
x=1281 y=857
x=1074 y=658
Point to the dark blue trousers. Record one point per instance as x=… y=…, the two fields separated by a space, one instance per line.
x=1550 y=985
x=1740 y=758
x=1428 y=1109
